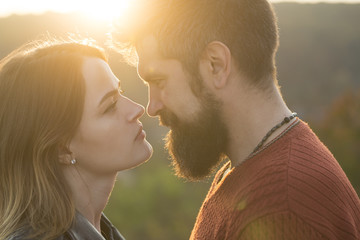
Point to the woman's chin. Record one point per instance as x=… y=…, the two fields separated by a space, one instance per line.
x=144 y=155
x=148 y=151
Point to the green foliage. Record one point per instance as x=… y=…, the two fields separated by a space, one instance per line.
x=340 y=131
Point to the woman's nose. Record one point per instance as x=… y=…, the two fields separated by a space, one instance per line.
x=135 y=110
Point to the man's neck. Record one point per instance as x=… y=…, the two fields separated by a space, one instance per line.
x=250 y=119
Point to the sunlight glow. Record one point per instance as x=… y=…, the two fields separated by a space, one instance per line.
x=107 y=10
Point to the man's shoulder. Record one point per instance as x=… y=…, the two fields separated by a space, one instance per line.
x=279 y=225
x=313 y=170
x=302 y=181
x=318 y=188
x=305 y=144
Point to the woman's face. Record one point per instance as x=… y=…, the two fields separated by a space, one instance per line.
x=110 y=137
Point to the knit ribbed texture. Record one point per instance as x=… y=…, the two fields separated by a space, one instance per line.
x=294 y=189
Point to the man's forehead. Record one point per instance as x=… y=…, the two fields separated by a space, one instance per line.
x=148 y=56
x=148 y=48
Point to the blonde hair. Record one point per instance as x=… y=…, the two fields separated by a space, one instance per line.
x=41 y=103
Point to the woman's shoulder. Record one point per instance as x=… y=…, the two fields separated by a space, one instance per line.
x=80 y=229
x=23 y=235
x=19 y=234
x=109 y=230
x=65 y=236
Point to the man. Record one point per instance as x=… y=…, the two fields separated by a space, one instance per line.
x=211 y=75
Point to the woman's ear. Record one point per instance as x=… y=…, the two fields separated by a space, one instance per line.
x=65 y=156
x=216 y=63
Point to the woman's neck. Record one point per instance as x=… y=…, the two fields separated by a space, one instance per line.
x=90 y=192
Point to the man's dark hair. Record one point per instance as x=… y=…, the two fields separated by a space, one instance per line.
x=183 y=28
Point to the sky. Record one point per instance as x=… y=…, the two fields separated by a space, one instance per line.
x=104 y=9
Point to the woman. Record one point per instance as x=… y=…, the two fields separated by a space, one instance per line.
x=65 y=132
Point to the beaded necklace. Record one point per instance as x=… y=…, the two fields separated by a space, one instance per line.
x=266 y=137
x=277 y=126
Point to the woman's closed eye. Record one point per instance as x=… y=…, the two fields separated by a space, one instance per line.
x=114 y=100
x=112 y=106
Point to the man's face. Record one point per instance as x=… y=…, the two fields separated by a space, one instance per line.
x=198 y=137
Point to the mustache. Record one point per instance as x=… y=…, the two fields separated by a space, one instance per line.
x=168 y=118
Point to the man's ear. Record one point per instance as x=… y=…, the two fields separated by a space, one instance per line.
x=216 y=63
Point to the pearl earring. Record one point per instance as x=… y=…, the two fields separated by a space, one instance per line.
x=73 y=161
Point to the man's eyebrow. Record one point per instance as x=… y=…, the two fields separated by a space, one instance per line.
x=109 y=94
x=151 y=76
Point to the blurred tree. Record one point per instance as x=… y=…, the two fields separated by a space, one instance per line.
x=340 y=131
x=318 y=57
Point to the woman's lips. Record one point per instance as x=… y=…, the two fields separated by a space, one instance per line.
x=141 y=133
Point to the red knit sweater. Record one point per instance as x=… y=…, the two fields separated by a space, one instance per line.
x=293 y=189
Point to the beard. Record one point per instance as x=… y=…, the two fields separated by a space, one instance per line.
x=196 y=147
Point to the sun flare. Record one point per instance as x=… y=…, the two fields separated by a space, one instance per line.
x=107 y=10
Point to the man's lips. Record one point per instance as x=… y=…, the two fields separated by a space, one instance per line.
x=164 y=122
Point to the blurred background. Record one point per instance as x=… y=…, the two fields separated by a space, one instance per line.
x=319 y=74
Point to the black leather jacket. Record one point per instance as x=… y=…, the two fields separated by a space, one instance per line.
x=82 y=229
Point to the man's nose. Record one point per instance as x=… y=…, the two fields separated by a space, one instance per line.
x=155 y=103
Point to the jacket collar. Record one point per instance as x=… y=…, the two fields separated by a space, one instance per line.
x=83 y=229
